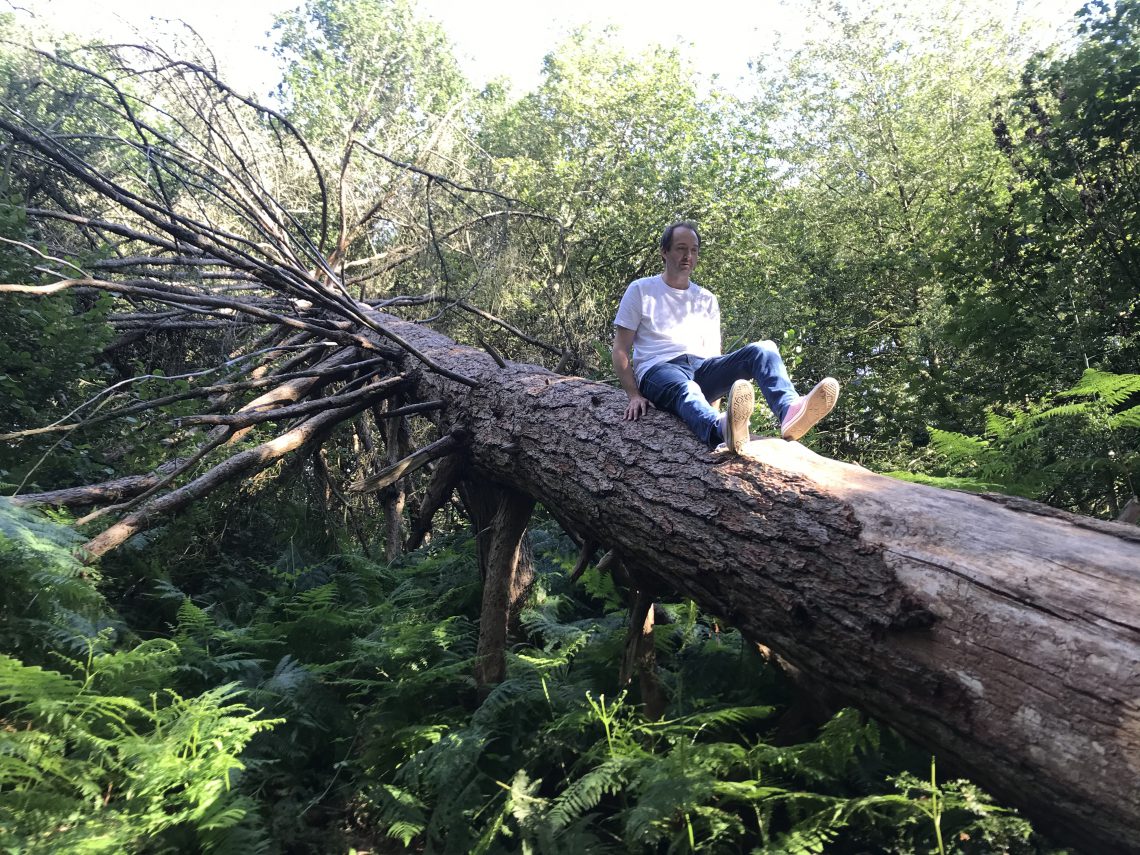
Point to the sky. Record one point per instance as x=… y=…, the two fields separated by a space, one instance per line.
x=500 y=38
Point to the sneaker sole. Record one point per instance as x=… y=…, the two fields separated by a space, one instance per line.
x=741 y=402
x=819 y=402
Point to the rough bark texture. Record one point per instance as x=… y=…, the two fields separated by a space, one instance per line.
x=1000 y=633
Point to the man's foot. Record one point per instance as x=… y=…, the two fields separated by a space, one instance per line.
x=738 y=416
x=805 y=412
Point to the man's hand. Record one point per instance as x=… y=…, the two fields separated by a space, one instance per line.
x=638 y=406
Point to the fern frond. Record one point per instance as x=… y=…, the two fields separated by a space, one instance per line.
x=997 y=425
x=1081 y=408
x=1129 y=418
x=584 y=794
x=1113 y=389
x=726 y=716
x=959 y=448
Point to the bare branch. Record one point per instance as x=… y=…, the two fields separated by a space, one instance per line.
x=246 y=418
x=442 y=447
x=427 y=299
x=409 y=167
x=93 y=494
x=240 y=465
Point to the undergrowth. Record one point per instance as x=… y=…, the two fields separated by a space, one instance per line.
x=1075 y=450
x=332 y=708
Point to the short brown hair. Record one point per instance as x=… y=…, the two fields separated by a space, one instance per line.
x=667 y=235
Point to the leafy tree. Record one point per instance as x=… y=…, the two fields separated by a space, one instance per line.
x=613 y=147
x=376 y=91
x=373 y=69
x=1054 y=287
x=889 y=161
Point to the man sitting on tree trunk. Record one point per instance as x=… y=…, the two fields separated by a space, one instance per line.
x=672 y=325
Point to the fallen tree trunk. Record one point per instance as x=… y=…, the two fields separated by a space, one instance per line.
x=1000 y=633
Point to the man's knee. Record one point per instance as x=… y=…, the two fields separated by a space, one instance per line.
x=763 y=351
x=691 y=391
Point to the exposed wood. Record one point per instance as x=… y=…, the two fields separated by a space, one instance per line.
x=389 y=475
x=1000 y=633
x=640 y=657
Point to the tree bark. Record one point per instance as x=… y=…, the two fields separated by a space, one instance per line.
x=500 y=516
x=640 y=656
x=1000 y=633
x=396 y=442
x=94 y=494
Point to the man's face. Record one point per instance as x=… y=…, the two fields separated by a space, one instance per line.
x=681 y=256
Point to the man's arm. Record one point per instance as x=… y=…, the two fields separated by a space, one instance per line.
x=623 y=345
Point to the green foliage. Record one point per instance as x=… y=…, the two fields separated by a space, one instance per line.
x=376 y=68
x=48 y=596
x=882 y=122
x=612 y=146
x=557 y=758
x=1079 y=454
x=1053 y=278
x=863 y=211
x=49 y=350
x=367 y=672
x=99 y=753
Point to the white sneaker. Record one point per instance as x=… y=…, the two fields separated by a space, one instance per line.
x=738 y=416
x=804 y=413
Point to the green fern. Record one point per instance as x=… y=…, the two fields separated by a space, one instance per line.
x=1112 y=389
x=120 y=770
x=1078 y=454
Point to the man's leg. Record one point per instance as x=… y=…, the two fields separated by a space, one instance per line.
x=671 y=387
x=759 y=362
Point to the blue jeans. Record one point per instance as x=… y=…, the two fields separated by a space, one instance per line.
x=685 y=385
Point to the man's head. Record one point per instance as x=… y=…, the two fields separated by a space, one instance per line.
x=679 y=247
x=667 y=236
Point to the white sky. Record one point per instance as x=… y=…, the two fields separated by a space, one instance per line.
x=498 y=37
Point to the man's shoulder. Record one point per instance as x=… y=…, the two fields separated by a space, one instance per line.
x=702 y=290
x=702 y=295
x=646 y=283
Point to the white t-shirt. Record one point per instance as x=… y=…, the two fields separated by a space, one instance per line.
x=668 y=322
